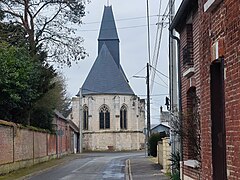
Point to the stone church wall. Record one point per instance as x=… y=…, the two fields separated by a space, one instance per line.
x=116 y=141
x=114 y=138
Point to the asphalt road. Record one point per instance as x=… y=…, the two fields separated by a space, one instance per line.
x=92 y=166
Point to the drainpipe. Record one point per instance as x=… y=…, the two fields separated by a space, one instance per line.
x=179 y=91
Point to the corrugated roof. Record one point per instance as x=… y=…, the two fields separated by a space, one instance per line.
x=105 y=77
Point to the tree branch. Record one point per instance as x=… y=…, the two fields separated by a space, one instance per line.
x=49 y=21
x=39 y=10
x=12 y=13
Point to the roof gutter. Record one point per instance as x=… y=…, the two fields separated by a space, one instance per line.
x=179 y=14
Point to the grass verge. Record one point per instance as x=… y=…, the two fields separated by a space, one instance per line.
x=37 y=168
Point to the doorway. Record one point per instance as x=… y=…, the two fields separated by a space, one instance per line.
x=218 y=120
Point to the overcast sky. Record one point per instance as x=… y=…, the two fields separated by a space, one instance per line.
x=132 y=31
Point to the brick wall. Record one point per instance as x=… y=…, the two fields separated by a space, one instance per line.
x=191 y=173
x=190 y=33
x=231 y=38
x=51 y=144
x=40 y=144
x=21 y=147
x=23 y=144
x=63 y=140
x=222 y=24
x=6 y=144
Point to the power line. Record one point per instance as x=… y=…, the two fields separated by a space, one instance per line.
x=137 y=72
x=160 y=84
x=106 y=29
x=162 y=79
x=160 y=72
x=158 y=38
x=154 y=95
x=124 y=19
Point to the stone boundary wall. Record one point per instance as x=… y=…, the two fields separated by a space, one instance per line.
x=22 y=147
x=164 y=154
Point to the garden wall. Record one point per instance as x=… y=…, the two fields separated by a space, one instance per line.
x=22 y=147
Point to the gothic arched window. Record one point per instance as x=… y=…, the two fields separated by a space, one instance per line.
x=104 y=117
x=85 y=117
x=123 y=117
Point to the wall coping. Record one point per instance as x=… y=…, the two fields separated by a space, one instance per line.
x=20 y=126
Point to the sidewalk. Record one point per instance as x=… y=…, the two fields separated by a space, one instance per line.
x=144 y=168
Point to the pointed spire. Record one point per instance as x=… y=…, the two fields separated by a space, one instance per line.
x=108 y=28
x=108 y=34
x=106 y=75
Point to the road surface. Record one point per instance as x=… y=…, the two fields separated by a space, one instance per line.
x=92 y=166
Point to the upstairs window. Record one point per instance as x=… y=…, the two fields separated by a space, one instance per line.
x=187 y=51
x=123 y=117
x=104 y=117
x=85 y=117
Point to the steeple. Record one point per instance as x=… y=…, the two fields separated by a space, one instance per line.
x=106 y=75
x=108 y=34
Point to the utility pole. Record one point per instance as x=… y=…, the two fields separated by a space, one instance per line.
x=148 y=89
x=147 y=133
x=148 y=108
x=80 y=121
x=148 y=27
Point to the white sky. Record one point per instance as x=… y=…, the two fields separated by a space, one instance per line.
x=133 y=47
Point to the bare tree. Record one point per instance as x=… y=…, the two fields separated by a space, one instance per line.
x=49 y=26
x=187 y=126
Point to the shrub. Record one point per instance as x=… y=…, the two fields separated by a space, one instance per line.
x=153 y=141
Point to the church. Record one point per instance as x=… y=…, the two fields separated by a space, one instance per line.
x=112 y=116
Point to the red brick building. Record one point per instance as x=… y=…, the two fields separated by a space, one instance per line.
x=67 y=134
x=210 y=87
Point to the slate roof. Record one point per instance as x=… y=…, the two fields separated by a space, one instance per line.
x=108 y=34
x=105 y=77
x=58 y=114
x=108 y=28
